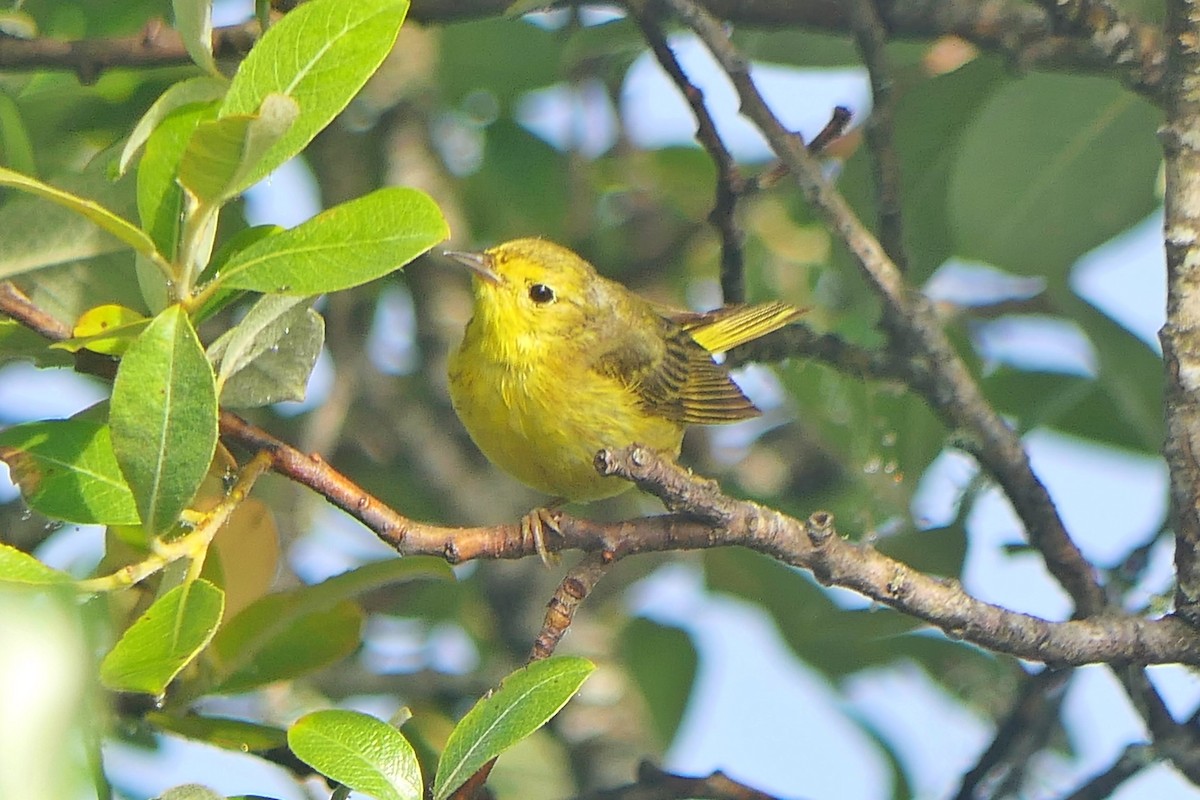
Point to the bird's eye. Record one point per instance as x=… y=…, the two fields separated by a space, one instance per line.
x=541 y=294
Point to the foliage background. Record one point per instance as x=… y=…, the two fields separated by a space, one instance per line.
x=1024 y=170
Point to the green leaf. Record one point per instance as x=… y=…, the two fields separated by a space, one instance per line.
x=231 y=734
x=288 y=634
x=164 y=418
x=98 y=215
x=268 y=356
x=662 y=660
x=66 y=470
x=345 y=246
x=203 y=89
x=320 y=55
x=193 y=20
x=17 y=566
x=159 y=195
x=282 y=650
x=38 y=235
x=358 y=751
x=190 y=791
x=1053 y=166
x=18 y=343
x=161 y=642
x=525 y=701
x=15 y=147
x=223 y=151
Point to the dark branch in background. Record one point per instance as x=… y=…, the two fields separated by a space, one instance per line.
x=654 y=784
x=1023 y=33
x=1018 y=736
x=157 y=45
x=1113 y=37
x=1133 y=760
x=952 y=390
x=729 y=179
x=885 y=163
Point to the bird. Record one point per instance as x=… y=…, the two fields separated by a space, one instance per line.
x=559 y=362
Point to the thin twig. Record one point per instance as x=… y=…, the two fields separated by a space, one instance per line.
x=1020 y=734
x=1132 y=760
x=560 y=611
x=953 y=392
x=871 y=37
x=729 y=184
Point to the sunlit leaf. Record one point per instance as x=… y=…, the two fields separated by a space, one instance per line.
x=525 y=701
x=358 y=751
x=164 y=640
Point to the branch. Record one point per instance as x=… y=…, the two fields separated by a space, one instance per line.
x=885 y=162
x=705 y=518
x=654 y=784
x=952 y=391
x=560 y=611
x=1180 y=336
x=157 y=45
x=1021 y=734
x=1133 y=760
x=729 y=180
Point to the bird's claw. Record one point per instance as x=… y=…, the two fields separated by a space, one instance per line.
x=534 y=526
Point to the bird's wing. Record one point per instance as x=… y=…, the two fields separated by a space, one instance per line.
x=671 y=374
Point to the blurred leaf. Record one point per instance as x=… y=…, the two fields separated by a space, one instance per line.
x=162 y=641
x=932 y=119
x=837 y=642
x=15 y=146
x=66 y=291
x=247 y=547
x=936 y=551
x=477 y=56
x=18 y=343
x=100 y=216
x=320 y=54
x=223 y=151
x=231 y=734
x=159 y=195
x=164 y=418
x=344 y=246
x=38 y=234
x=288 y=634
x=193 y=20
x=201 y=90
x=17 y=566
x=190 y=791
x=66 y=470
x=1053 y=166
x=662 y=660
x=525 y=701
x=358 y=751
x=18 y=24
x=269 y=642
x=268 y=356
x=515 y=157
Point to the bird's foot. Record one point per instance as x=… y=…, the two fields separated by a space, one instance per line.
x=535 y=525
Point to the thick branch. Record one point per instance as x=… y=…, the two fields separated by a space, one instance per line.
x=815 y=545
x=1180 y=336
x=952 y=391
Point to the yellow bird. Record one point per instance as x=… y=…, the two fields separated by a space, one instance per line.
x=559 y=362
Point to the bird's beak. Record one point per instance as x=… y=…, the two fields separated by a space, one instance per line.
x=479 y=263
